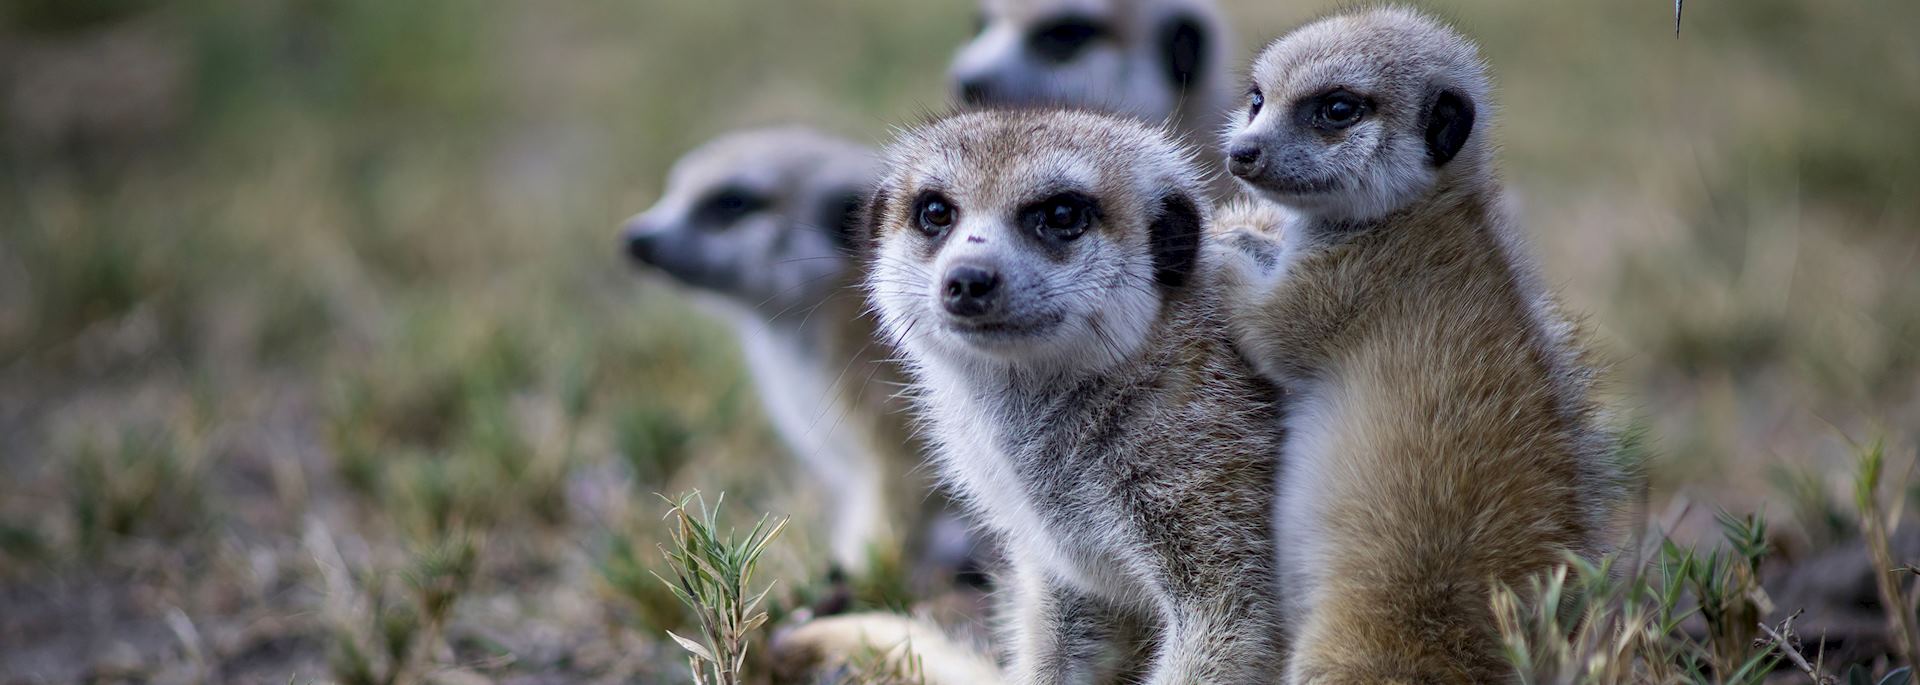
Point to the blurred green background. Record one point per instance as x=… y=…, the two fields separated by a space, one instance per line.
x=310 y=309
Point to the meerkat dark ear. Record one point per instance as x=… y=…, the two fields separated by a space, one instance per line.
x=1174 y=239
x=1183 y=49
x=1449 y=122
x=842 y=217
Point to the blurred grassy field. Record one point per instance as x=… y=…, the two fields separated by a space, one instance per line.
x=311 y=311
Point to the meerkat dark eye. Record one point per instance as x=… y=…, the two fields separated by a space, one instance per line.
x=1060 y=218
x=933 y=214
x=1254 y=102
x=730 y=204
x=1339 y=109
x=1062 y=40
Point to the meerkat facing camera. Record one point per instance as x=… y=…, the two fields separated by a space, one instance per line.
x=1040 y=272
x=802 y=653
x=1442 y=435
x=758 y=222
x=1155 y=60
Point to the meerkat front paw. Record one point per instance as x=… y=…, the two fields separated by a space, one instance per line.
x=1246 y=252
x=1247 y=247
x=1249 y=233
x=1253 y=254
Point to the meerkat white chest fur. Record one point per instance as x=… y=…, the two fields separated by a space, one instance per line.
x=1046 y=459
x=797 y=382
x=1039 y=271
x=991 y=456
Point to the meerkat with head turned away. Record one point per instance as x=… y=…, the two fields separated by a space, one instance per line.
x=757 y=224
x=1154 y=60
x=1039 y=271
x=1441 y=431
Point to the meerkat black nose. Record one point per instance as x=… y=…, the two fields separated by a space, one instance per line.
x=640 y=246
x=971 y=290
x=975 y=92
x=1244 y=160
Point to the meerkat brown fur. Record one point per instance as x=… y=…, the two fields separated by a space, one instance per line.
x=1040 y=272
x=1441 y=435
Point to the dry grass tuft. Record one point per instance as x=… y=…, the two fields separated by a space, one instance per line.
x=713 y=575
x=1688 y=617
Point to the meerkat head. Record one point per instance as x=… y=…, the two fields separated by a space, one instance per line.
x=1357 y=115
x=1038 y=240
x=1141 y=58
x=762 y=217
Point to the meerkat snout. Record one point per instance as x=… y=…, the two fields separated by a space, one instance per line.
x=638 y=242
x=1244 y=161
x=971 y=290
x=974 y=92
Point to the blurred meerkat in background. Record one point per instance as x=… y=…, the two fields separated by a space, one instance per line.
x=1154 y=60
x=1442 y=436
x=756 y=223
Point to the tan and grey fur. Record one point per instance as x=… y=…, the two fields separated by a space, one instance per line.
x=1441 y=434
x=1076 y=379
x=818 y=650
x=1155 y=60
x=758 y=223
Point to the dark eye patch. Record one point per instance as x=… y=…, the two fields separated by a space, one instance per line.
x=933 y=213
x=725 y=206
x=1060 y=218
x=1061 y=40
x=1335 y=109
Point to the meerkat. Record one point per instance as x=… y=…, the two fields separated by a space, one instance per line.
x=815 y=649
x=757 y=224
x=1441 y=432
x=1156 y=60
x=1040 y=272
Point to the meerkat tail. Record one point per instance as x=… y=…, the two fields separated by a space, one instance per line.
x=901 y=642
